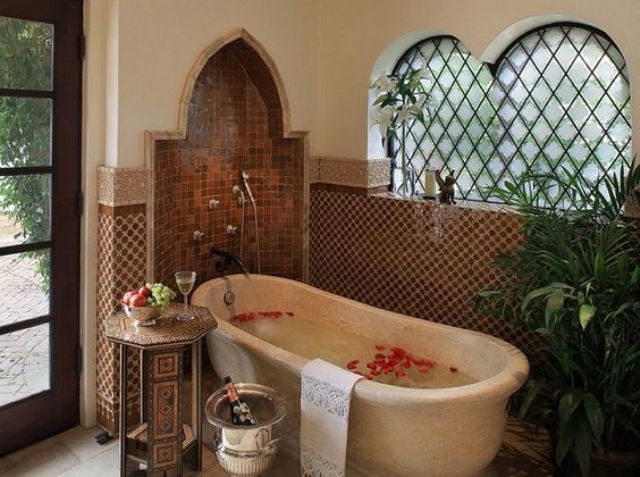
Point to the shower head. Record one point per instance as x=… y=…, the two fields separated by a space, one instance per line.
x=245 y=177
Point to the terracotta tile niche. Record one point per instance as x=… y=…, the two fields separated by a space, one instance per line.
x=234 y=125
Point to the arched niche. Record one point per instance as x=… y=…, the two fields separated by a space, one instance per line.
x=233 y=116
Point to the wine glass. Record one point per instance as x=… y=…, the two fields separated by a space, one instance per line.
x=185 y=281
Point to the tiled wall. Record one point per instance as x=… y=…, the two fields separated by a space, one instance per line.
x=121 y=265
x=418 y=258
x=234 y=124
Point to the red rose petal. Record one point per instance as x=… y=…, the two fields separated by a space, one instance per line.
x=380 y=347
x=380 y=356
x=400 y=373
x=406 y=364
x=453 y=369
x=290 y=313
x=372 y=365
x=375 y=372
x=353 y=364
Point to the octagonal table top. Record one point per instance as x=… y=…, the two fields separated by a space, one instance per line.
x=167 y=331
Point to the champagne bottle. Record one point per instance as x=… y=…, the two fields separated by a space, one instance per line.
x=240 y=412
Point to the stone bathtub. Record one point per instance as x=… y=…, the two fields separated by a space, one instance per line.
x=393 y=430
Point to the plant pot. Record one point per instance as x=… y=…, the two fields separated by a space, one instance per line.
x=618 y=464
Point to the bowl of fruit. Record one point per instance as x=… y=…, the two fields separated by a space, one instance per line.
x=146 y=303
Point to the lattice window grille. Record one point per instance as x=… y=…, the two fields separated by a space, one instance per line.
x=560 y=98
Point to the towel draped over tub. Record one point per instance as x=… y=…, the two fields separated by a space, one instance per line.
x=325 y=398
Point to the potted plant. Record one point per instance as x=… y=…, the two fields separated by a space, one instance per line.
x=401 y=99
x=575 y=283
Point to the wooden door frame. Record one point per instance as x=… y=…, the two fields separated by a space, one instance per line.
x=53 y=411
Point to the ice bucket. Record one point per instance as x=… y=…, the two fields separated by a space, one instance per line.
x=246 y=450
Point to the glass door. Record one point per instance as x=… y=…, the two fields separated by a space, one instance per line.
x=40 y=93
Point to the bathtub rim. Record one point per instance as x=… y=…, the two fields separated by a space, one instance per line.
x=498 y=387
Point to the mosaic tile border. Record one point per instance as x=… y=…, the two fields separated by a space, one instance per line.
x=361 y=173
x=122 y=186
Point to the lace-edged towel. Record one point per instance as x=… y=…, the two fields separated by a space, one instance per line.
x=324 y=418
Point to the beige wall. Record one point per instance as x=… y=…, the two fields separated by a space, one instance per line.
x=355 y=33
x=159 y=40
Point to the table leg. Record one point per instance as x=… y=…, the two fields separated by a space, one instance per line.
x=143 y=388
x=122 y=427
x=196 y=404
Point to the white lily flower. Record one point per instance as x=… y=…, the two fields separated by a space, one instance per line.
x=383 y=116
x=385 y=83
x=416 y=109
x=404 y=113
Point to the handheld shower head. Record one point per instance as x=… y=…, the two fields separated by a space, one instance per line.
x=245 y=181
x=245 y=177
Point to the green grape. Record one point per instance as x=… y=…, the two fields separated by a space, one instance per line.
x=161 y=295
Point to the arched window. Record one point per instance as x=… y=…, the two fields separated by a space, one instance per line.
x=557 y=101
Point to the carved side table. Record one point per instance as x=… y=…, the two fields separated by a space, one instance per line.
x=166 y=433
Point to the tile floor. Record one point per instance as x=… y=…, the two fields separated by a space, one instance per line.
x=74 y=453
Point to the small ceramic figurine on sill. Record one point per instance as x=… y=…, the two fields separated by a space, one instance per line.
x=447 y=187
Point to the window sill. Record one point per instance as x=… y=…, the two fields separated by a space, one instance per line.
x=460 y=204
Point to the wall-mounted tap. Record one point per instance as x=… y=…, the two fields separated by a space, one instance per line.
x=214 y=204
x=231 y=229
x=228 y=257
x=198 y=236
x=238 y=192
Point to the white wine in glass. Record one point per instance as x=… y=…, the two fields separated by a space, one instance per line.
x=185 y=281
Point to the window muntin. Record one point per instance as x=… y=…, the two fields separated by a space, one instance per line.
x=560 y=100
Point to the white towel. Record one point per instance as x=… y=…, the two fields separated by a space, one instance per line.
x=325 y=398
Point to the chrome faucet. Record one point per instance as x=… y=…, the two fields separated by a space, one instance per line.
x=221 y=265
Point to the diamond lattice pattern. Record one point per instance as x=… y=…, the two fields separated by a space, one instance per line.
x=559 y=103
